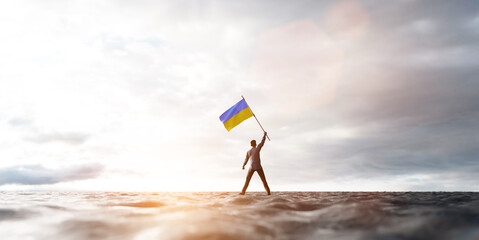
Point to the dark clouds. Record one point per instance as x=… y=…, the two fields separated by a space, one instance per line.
x=416 y=116
x=409 y=87
x=421 y=122
x=38 y=175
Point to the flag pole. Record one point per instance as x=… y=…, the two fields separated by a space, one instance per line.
x=255 y=118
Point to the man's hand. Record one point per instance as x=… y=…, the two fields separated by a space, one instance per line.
x=243 y=167
x=265 y=133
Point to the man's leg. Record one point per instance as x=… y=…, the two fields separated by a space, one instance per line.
x=263 y=178
x=248 y=178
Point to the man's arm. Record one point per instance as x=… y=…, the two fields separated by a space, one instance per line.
x=262 y=141
x=246 y=160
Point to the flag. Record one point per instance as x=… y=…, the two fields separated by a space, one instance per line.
x=236 y=114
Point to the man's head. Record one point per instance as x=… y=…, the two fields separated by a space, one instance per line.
x=253 y=143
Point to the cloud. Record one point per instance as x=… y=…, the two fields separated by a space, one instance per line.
x=39 y=175
x=68 y=138
x=18 y=122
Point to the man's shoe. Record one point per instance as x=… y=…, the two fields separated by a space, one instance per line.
x=241 y=193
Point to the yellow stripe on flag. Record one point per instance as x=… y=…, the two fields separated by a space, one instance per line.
x=238 y=118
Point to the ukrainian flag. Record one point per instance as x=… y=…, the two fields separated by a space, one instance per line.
x=236 y=114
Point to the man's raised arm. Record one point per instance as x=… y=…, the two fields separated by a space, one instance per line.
x=262 y=141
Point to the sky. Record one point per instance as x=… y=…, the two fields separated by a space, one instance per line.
x=126 y=95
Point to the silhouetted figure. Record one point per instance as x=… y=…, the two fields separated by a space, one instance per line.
x=253 y=155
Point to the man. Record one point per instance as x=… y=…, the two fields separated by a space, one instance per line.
x=253 y=155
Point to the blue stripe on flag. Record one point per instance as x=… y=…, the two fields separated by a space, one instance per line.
x=238 y=107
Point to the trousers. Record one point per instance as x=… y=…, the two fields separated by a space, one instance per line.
x=261 y=175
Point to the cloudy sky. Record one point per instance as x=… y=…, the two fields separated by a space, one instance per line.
x=126 y=95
